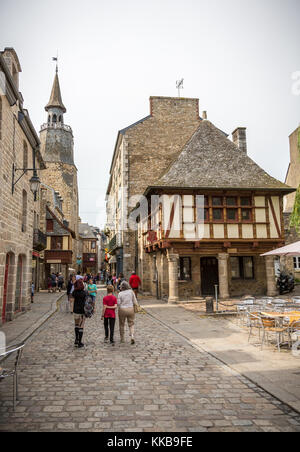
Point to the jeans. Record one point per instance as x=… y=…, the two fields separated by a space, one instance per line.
x=109 y=326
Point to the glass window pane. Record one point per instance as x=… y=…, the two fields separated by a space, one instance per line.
x=232 y=214
x=235 y=267
x=217 y=201
x=231 y=201
x=185 y=268
x=217 y=214
x=245 y=201
x=248 y=267
x=246 y=215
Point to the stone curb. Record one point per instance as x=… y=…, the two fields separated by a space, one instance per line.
x=23 y=337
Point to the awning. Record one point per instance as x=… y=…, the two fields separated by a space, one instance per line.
x=293 y=249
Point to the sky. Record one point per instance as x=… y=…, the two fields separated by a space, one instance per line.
x=238 y=57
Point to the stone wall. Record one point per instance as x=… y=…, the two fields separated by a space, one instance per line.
x=12 y=239
x=145 y=152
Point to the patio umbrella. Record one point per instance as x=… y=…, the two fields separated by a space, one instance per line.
x=293 y=249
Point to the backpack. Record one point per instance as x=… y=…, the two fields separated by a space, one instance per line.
x=88 y=307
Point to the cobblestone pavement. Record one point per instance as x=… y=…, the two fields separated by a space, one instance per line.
x=161 y=383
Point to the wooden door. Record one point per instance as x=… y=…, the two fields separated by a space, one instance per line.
x=209 y=275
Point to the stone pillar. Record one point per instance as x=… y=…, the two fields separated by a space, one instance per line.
x=270 y=274
x=173 y=277
x=223 y=275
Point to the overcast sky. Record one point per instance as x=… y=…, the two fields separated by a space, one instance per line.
x=236 y=56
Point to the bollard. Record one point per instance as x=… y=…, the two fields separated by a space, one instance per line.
x=209 y=305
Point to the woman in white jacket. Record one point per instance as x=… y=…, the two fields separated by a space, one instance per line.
x=126 y=302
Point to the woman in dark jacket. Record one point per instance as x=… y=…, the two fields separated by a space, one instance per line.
x=79 y=296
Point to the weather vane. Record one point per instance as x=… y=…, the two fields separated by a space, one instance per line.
x=56 y=59
x=179 y=86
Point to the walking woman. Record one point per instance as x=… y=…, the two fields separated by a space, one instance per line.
x=109 y=314
x=79 y=295
x=126 y=302
x=70 y=290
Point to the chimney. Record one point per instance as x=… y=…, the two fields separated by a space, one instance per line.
x=204 y=115
x=239 y=138
x=174 y=108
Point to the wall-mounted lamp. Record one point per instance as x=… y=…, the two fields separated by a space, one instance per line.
x=34 y=181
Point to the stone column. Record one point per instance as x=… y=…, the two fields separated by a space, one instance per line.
x=270 y=274
x=173 y=277
x=223 y=275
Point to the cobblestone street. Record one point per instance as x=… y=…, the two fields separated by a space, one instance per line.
x=162 y=383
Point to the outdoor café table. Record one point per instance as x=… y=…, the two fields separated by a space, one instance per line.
x=292 y=315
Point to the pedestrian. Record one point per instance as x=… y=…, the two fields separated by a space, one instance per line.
x=92 y=290
x=120 y=280
x=32 y=291
x=79 y=295
x=135 y=282
x=78 y=276
x=70 y=290
x=53 y=282
x=126 y=302
x=114 y=280
x=110 y=305
x=60 y=282
x=49 y=284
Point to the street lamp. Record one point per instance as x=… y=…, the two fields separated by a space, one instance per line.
x=34 y=181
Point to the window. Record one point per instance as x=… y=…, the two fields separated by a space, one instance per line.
x=232 y=215
x=218 y=214
x=242 y=267
x=245 y=201
x=24 y=211
x=56 y=243
x=93 y=245
x=297 y=263
x=246 y=215
x=49 y=226
x=217 y=201
x=54 y=119
x=184 y=269
x=231 y=201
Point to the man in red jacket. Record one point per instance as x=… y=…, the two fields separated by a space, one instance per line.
x=134 y=282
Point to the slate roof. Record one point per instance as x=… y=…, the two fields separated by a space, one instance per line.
x=55 y=98
x=86 y=231
x=210 y=160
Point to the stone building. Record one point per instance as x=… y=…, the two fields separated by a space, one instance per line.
x=57 y=149
x=174 y=152
x=88 y=237
x=143 y=151
x=19 y=148
x=57 y=256
x=292 y=203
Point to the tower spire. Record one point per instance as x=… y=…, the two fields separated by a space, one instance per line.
x=55 y=98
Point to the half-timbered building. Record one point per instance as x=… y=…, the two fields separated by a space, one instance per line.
x=212 y=214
